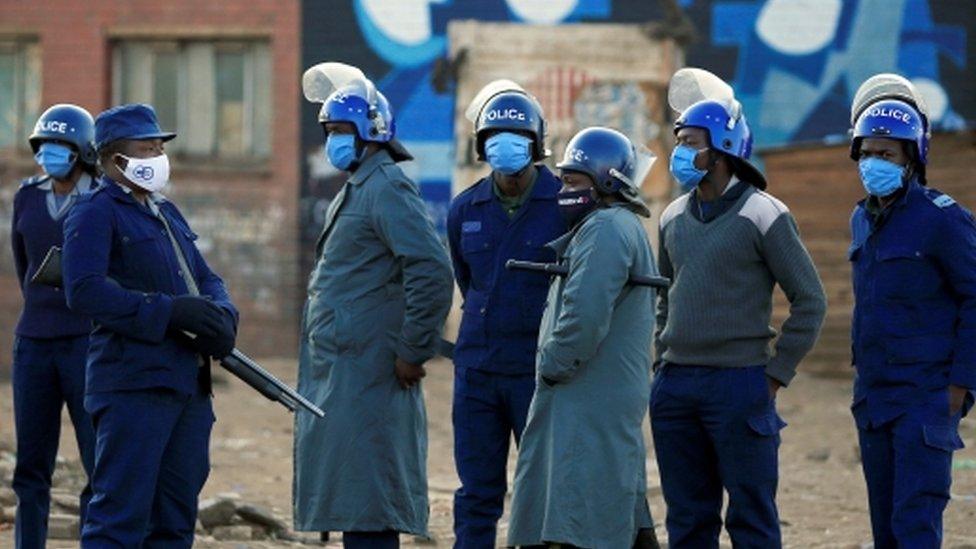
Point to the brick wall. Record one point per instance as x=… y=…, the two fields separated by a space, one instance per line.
x=820 y=185
x=246 y=215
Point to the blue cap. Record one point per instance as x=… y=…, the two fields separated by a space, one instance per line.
x=134 y=121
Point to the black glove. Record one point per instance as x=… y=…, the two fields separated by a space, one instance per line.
x=222 y=344
x=196 y=315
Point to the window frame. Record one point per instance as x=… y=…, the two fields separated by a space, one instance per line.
x=255 y=153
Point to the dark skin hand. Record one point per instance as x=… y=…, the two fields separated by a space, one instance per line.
x=408 y=374
x=957 y=396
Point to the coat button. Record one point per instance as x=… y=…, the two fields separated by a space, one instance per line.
x=162 y=232
x=148 y=300
x=180 y=273
x=125 y=239
x=482 y=310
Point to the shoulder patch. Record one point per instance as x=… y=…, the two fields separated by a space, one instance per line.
x=943 y=201
x=674 y=209
x=763 y=209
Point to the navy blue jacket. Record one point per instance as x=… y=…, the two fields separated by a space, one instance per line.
x=502 y=309
x=34 y=231
x=120 y=268
x=914 y=324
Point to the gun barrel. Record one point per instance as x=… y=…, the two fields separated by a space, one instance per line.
x=265 y=383
x=563 y=270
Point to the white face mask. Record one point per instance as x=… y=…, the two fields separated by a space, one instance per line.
x=151 y=174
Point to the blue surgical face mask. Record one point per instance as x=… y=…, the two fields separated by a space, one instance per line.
x=508 y=152
x=683 y=168
x=340 y=149
x=56 y=159
x=880 y=177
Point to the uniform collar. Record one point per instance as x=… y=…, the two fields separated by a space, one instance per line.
x=375 y=161
x=85 y=184
x=124 y=194
x=560 y=244
x=546 y=187
x=912 y=187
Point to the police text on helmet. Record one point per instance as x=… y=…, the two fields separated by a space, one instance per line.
x=897 y=114
x=505 y=114
x=51 y=126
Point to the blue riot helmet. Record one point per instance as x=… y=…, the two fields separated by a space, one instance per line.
x=892 y=119
x=604 y=154
x=610 y=159
x=70 y=124
x=513 y=111
x=728 y=133
x=374 y=121
x=348 y=96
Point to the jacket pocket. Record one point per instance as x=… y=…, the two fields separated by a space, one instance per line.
x=766 y=424
x=473 y=310
x=478 y=252
x=942 y=437
x=918 y=349
x=905 y=273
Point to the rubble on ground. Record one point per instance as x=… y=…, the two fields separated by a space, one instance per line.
x=226 y=517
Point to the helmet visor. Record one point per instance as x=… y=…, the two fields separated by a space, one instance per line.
x=690 y=85
x=320 y=81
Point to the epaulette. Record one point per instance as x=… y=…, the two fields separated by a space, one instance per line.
x=940 y=199
x=34 y=180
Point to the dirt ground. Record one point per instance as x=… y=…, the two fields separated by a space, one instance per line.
x=822 y=497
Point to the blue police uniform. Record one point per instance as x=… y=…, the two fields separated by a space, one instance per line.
x=914 y=334
x=49 y=360
x=495 y=353
x=148 y=393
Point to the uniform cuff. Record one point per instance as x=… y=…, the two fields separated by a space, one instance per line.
x=155 y=311
x=412 y=355
x=556 y=368
x=780 y=372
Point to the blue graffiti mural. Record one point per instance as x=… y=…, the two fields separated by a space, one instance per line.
x=795 y=64
x=800 y=61
x=410 y=35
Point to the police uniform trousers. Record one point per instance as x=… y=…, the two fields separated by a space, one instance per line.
x=714 y=429
x=907 y=465
x=47 y=374
x=488 y=410
x=151 y=461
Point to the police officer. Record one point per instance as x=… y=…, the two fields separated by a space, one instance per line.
x=580 y=478
x=725 y=243
x=377 y=299
x=130 y=262
x=510 y=214
x=913 y=254
x=51 y=341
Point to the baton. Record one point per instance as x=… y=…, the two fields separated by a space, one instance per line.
x=556 y=269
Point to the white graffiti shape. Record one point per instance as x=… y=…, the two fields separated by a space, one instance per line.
x=542 y=12
x=798 y=27
x=404 y=21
